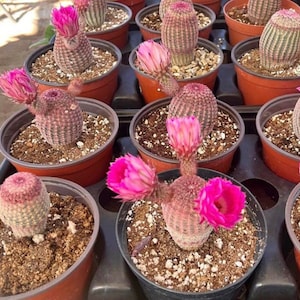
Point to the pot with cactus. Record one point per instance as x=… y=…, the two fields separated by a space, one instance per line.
x=73 y=55
x=247 y=18
x=182 y=54
x=104 y=20
x=49 y=227
x=149 y=19
x=57 y=134
x=268 y=66
x=177 y=230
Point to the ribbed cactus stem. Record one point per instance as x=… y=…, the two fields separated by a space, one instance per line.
x=165 y=4
x=296 y=119
x=179 y=32
x=280 y=40
x=58 y=117
x=195 y=99
x=24 y=204
x=182 y=221
x=260 y=11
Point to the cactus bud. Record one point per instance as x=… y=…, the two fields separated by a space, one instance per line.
x=164 y=5
x=260 y=11
x=195 y=99
x=181 y=43
x=24 y=204
x=280 y=39
x=72 y=50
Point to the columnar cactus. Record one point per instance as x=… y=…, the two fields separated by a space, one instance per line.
x=179 y=32
x=24 y=204
x=72 y=49
x=92 y=12
x=296 y=118
x=191 y=206
x=164 y=5
x=280 y=40
x=57 y=113
x=260 y=11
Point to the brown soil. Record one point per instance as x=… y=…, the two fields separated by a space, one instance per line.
x=223 y=258
x=151 y=133
x=240 y=14
x=28 y=263
x=29 y=145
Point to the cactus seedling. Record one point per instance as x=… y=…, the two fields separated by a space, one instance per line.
x=24 y=204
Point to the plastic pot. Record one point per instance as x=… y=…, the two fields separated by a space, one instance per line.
x=148 y=33
x=73 y=283
x=258 y=89
x=101 y=88
x=150 y=88
x=215 y=5
x=221 y=162
x=134 y=5
x=84 y=171
x=153 y=291
x=282 y=163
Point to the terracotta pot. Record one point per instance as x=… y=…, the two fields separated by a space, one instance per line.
x=85 y=171
x=117 y=35
x=150 y=88
x=215 y=5
x=148 y=33
x=134 y=5
x=154 y=291
x=258 y=89
x=73 y=283
x=221 y=162
x=282 y=163
x=239 y=31
x=101 y=88
x=288 y=210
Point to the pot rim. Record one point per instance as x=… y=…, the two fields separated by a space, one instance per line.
x=81 y=100
x=165 y=101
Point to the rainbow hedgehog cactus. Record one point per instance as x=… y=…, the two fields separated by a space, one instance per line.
x=24 y=204
x=191 y=206
x=57 y=113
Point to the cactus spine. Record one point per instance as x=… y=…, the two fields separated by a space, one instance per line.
x=179 y=32
x=260 y=11
x=24 y=204
x=280 y=39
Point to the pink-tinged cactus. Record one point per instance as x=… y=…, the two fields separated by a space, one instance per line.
x=165 y=4
x=280 y=39
x=179 y=32
x=92 y=12
x=260 y=11
x=72 y=50
x=24 y=204
x=296 y=119
x=18 y=86
x=195 y=99
x=220 y=203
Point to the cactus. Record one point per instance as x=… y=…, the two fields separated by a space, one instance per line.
x=260 y=11
x=72 y=50
x=179 y=32
x=24 y=204
x=280 y=39
x=57 y=113
x=296 y=118
x=198 y=100
x=164 y=5
x=92 y=12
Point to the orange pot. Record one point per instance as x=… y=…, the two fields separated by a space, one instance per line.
x=255 y=88
x=73 y=283
x=101 y=88
x=214 y=5
x=221 y=163
x=148 y=33
x=150 y=88
x=134 y=5
x=85 y=171
x=294 y=194
x=283 y=164
x=117 y=35
x=238 y=31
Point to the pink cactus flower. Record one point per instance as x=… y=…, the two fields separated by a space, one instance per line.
x=131 y=178
x=184 y=135
x=18 y=86
x=220 y=203
x=153 y=58
x=66 y=21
